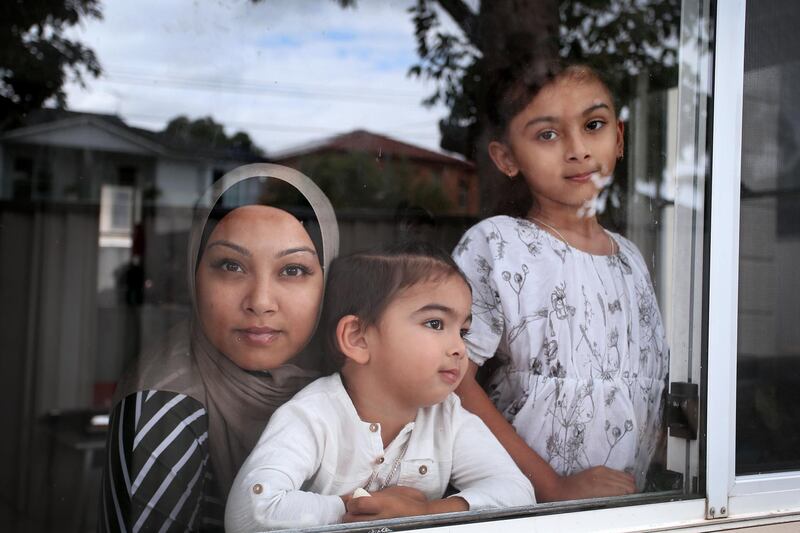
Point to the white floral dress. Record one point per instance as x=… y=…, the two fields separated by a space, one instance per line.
x=580 y=340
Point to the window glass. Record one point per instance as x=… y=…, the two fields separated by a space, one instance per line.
x=768 y=372
x=116 y=121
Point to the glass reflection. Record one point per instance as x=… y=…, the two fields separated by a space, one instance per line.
x=382 y=104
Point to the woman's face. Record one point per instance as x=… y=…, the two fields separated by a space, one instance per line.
x=259 y=287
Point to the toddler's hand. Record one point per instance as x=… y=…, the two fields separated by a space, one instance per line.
x=595 y=482
x=388 y=503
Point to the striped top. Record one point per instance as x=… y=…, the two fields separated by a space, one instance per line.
x=158 y=475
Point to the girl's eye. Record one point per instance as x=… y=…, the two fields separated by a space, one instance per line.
x=435 y=324
x=295 y=271
x=464 y=333
x=548 y=135
x=595 y=125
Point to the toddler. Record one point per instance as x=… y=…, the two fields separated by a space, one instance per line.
x=387 y=426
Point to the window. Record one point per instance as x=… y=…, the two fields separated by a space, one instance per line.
x=383 y=106
x=21 y=179
x=768 y=364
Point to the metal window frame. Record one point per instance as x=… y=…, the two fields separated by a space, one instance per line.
x=776 y=493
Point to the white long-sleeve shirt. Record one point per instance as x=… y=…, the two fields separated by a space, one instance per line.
x=316 y=448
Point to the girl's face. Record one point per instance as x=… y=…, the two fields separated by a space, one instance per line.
x=259 y=287
x=565 y=143
x=417 y=351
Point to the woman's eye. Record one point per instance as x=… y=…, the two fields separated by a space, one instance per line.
x=295 y=271
x=435 y=324
x=595 y=124
x=230 y=266
x=547 y=135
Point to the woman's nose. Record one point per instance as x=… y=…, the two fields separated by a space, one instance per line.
x=260 y=298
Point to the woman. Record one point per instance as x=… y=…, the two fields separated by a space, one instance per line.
x=190 y=411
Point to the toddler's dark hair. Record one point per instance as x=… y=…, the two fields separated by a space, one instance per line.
x=365 y=283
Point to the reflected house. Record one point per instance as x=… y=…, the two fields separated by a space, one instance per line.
x=59 y=155
x=82 y=196
x=438 y=182
x=95 y=216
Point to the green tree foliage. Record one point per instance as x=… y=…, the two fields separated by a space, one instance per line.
x=358 y=180
x=207 y=132
x=619 y=38
x=36 y=58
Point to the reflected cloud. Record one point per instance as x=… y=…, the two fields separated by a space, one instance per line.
x=285 y=72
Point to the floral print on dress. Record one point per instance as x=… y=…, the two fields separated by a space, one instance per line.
x=580 y=341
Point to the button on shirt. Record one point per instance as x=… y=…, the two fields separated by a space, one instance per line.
x=316 y=448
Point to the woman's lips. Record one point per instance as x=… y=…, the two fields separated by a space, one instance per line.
x=258 y=336
x=450 y=376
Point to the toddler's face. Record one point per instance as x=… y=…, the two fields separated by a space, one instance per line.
x=417 y=349
x=565 y=143
x=259 y=287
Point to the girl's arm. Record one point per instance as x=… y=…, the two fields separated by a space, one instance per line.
x=549 y=486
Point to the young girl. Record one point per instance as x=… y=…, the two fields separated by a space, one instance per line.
x=565 y=306
x=387 y=423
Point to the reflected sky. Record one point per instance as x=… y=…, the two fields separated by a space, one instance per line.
x=284 y=72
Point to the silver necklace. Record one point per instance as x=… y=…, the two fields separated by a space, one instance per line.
x=614 y=247
x=392 y=472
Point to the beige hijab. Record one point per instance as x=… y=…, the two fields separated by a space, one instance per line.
x=238 y=403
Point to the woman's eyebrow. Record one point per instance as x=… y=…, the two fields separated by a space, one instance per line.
x=222 y=242
x=299 y=249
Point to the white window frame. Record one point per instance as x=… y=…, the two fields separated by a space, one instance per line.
x=752 y=495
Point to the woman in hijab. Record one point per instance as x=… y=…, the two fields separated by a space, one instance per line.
x=188 y=414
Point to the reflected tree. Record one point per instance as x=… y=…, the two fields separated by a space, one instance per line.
x=356 y=180
x=206 y=131
x=36 y=57
x=622 y=39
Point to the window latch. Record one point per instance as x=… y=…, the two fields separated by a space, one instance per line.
x=682 y=405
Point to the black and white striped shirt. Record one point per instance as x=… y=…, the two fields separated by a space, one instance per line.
x=158 y=476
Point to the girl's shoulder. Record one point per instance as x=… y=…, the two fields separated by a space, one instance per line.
x=630 y=251
x=492 y=237
x=495 y=223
